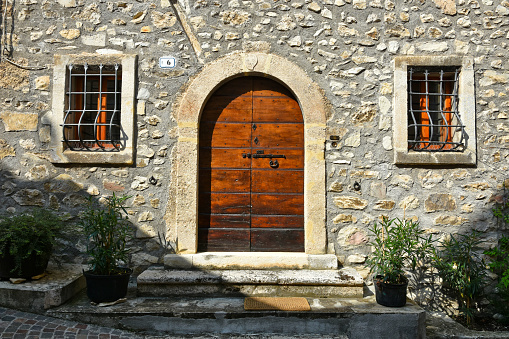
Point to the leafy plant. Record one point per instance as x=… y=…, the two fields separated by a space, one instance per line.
x=500 y=261
x=24 y=235
x=501 y=210
x=462 y=269
x=398 y=244
x=500 y=266
x=107 y=232
x=499 y=256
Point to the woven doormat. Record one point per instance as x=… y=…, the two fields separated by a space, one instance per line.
x=276 y=303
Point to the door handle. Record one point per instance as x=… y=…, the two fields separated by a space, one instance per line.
x=246 y=155
x=274 y=164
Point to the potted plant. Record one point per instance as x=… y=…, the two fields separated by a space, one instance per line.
x=107 y=231
x=397 y=244
x=26 y=242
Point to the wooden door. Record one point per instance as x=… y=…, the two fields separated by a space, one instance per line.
x=251 y=180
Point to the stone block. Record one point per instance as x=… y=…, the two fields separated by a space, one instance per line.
x=450 y=220
x=344 y=218
x=29 y=197
x=14 y=121
x=42 y=83
x=386 y=205
x=350 y=202
x=60 y=284
x=409 y=203
x=70 y=34
x=253 y=261
x=440 y=202
x=6 y=150
x=63 y=183
x=319 y=283
x=98 y=40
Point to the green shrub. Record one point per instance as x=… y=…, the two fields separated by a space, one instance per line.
x=499 y=263
x=462 y=270
x=23 y=234
x=398 y=244
x=107 y=231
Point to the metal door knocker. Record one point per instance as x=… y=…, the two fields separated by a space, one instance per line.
x=274 y=164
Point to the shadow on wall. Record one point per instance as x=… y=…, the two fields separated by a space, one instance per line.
x=42 y=186
x=426 y=286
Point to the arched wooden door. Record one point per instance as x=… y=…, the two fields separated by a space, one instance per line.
x=251 y=178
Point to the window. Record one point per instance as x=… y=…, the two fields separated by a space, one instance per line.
x=93 y=109
x=433 y=120
x=92 y=119
x=434 y=110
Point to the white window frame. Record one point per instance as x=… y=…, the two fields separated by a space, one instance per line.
x=466 y=108
x=59 y=152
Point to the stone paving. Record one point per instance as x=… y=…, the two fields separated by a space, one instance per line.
x=20 y=325
x=17 y=325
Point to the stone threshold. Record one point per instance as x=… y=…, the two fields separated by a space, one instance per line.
x=251 y=261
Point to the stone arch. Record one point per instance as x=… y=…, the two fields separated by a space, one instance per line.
x=183 y=220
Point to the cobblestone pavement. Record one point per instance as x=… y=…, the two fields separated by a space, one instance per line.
x=19 y=325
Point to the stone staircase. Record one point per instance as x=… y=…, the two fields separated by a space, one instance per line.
x=202 y=295
x=225 y=317
x=242 y=274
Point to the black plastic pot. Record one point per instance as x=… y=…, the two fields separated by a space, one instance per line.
x=391 y=295
x=107 y=288
x=30 y=267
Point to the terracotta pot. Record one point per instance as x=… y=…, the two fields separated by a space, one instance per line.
x=391 y=295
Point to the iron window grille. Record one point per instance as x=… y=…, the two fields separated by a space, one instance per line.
x=434 y=123
x=92 y=118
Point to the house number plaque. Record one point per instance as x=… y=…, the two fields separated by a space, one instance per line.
x=167 y=62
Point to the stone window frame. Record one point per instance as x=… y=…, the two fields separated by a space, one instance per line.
x=466 y=108
x=59 y=153
x=182 y=208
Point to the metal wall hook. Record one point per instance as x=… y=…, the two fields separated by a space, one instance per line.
x=152 y=180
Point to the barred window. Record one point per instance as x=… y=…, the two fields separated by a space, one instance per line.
x=434 y=110
x=434 y=123
x=92 y=118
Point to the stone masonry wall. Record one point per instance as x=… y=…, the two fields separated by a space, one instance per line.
x=346 y=47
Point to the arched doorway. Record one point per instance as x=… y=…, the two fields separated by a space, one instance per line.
x=181 y=216
x=251 y=169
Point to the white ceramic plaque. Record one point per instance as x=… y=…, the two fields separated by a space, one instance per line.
x=167 y=62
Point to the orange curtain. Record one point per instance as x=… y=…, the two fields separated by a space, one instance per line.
x=445 y=132
x=101 y=111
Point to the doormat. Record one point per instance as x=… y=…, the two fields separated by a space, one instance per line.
x=276 y=303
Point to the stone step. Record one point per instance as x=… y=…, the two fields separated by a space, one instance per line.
x=251 y=261
x=345 y=282
x=225 y=317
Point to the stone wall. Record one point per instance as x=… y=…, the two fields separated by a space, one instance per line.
x=345 y=46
